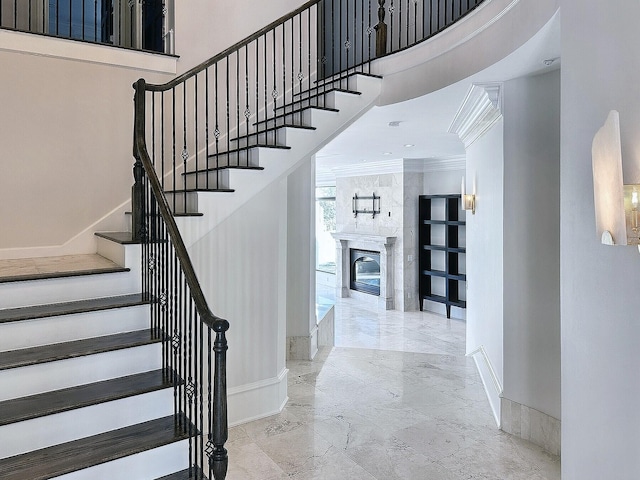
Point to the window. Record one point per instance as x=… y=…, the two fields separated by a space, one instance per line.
x=325 y=225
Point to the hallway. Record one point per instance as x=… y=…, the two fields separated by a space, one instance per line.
x=394 y=399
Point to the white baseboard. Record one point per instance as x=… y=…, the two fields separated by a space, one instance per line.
x=257 y=400
x=492 y=386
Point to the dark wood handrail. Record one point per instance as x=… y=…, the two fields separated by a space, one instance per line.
x=141 y=154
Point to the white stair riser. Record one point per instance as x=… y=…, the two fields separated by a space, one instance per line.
x=147 y=465
x=66 y=328
x=83 y=422
x=181 y=203
x=217 y=179
x=123 y=255
x=68 y=289
x=44 y=377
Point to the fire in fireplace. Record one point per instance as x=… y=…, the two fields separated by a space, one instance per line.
x=365 y=271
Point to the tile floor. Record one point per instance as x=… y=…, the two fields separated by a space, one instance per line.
x=394 y=399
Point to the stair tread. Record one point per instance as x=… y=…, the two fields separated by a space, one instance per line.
x=66 y=399
x=77 y=348
x=316 y=91
x=201 y=189
x=225 y=167
x=262 y=131
x=66 y=308
x=295 y=111
x=243 y=149
x=123 y=238
x=86 y=452
x=196 y=474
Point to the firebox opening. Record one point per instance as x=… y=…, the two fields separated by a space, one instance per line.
x=365 y=271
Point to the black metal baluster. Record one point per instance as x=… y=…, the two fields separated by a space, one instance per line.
x=15 y=13
x=173 y=146
x=216 y=132
x=197 y=145
x=415 y=20
x=399 y=24
x=257 y=122
x=210 y=395
x=274 y=93
x=83 y=19
x=369 y=32
x=70 y=18
x=247 y=111
x=206 y=123
x=201 y=384
x=95 y=20
x=185 y=151
x=57 y=17
x=308 y=62
x=237 y=108
x=228 y=131
x=162 y=171
x=293 y=65
x=266 y=88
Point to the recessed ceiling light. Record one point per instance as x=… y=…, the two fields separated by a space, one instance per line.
x=395 y=123
x=387 y=153
x=408 y=145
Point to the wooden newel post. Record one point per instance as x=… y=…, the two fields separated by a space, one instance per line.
x=137 y=203
x=137 y=190
x=381 y=31
x=219 y=460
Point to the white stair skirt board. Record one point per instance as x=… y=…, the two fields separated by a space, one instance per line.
x=83 y=422
x=45 y=377
x=257 y=400
x=67 y=328
x=147 y=465
x=280 y=162
x=68 y=289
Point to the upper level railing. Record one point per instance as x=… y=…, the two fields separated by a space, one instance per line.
x=138 y=24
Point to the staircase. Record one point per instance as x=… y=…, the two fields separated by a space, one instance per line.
x=83 y=393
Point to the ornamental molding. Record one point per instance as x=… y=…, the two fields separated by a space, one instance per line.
x=479 y=111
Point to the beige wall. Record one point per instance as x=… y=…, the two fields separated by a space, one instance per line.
x=66 y=146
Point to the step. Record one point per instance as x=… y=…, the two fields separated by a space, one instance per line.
x=317 y=98
x=194 y=474
x=70 y=321
x=69 y=288
x=79 y=348
x=42 y=369
x=305 y=114
x=93 y=453
x=121 y=411
x=269 y=135
x=57 y=401
x=216 y=179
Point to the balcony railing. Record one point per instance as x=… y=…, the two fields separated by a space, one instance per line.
x=138 y=24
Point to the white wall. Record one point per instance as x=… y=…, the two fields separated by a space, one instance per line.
x=241 y=265
x=485 y=240
x=205 y=28
x=599 y=284
x=301 y=311
x=66 y=149
x=532 y=242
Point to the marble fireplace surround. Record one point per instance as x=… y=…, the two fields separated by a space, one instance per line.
x=348 y=240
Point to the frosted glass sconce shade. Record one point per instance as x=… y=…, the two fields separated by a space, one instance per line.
x=468 y=199
x=608 y=194
x=632 y=219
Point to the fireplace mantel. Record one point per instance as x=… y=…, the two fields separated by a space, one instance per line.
x=347 y=240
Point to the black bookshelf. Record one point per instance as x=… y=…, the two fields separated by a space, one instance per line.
x=440 y=235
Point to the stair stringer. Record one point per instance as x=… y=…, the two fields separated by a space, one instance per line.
x=277 y=163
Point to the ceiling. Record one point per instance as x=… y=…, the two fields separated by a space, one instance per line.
x=423 y=123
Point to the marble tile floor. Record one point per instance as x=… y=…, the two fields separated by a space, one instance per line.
x=25 y=267
x=394 y=399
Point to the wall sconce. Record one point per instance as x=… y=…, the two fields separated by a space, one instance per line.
x=616 y=204
x=468 y=199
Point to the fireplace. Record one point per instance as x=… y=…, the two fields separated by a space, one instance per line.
x=365 y=261
x=365 y=271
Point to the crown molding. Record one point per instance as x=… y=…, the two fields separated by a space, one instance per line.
x=479 y=111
